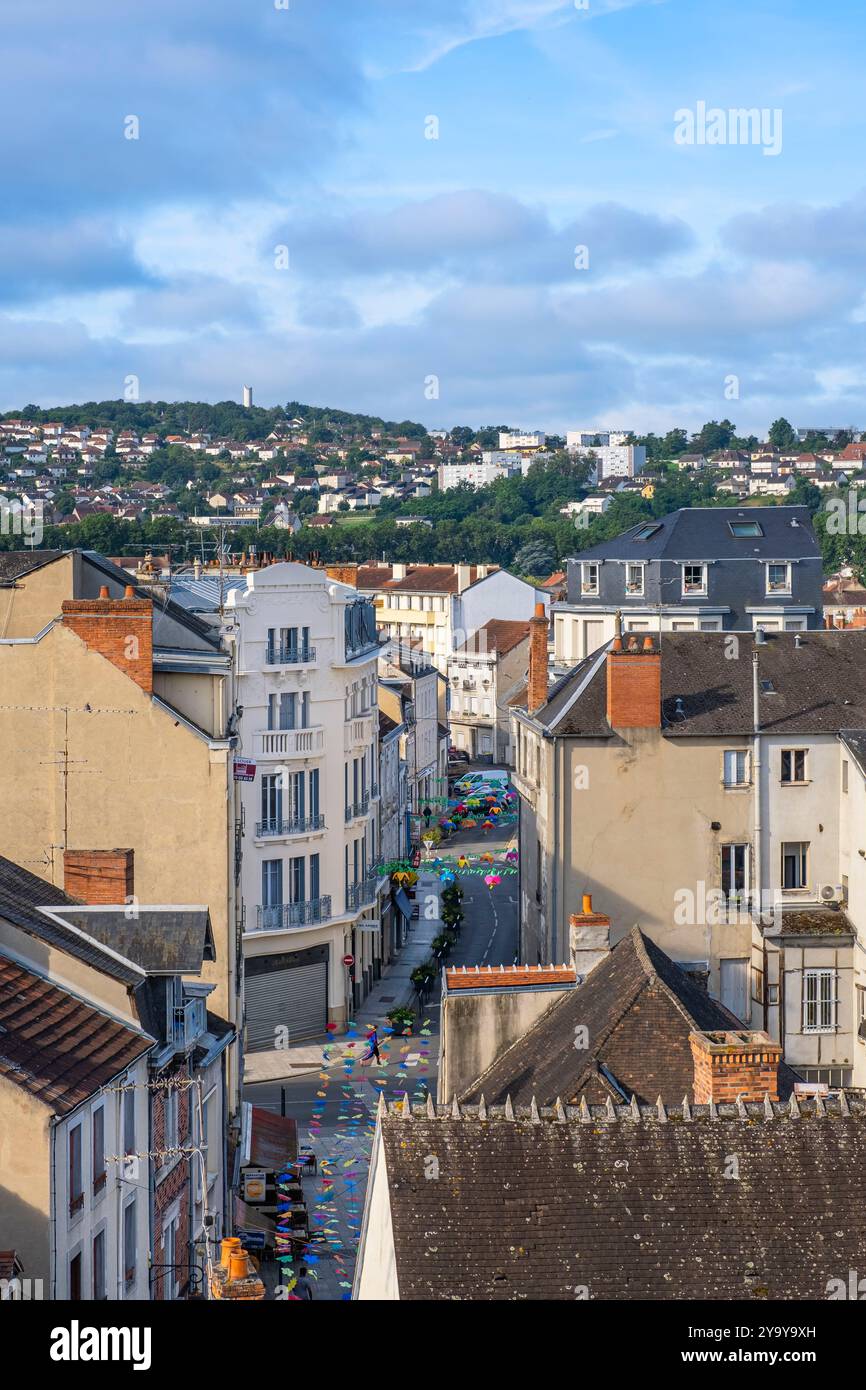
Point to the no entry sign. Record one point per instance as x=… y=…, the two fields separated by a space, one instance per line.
x=348 y=960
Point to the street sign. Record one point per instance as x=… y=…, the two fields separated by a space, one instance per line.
x=255 y=1182
x=252 y=1240
x=245 y=771
x=348 y=960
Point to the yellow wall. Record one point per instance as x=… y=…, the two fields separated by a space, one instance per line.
x=25 y=1200
x=36 y=598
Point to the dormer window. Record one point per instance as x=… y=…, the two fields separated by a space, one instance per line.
x=634 y=579
x=778 y=578
x=694 y=579
x=588 y=578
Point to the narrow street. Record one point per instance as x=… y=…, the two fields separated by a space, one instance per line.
x=335 y=1106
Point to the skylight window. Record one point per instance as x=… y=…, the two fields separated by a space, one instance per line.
x=768 y=688
x=645 y=532
x=743 y=530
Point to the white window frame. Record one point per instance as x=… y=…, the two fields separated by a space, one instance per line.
x=737 y=753
x=631 y=585
x=587 y=584
x=691 y=589
x=820 y=1005
x=793 y=781
x=804 y=864
x=777 y=564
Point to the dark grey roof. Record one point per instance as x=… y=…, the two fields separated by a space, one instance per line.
x=638 y=1007
x=817 y=680
x=165 y=611
x=162 y=940
x=820 y=920
x=21 y=896
x=14 y=564
x=703 y=533
x=628 y=1208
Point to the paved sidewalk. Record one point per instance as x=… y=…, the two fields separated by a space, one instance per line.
x=394 y=988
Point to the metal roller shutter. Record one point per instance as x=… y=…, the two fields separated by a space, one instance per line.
x=295 y=998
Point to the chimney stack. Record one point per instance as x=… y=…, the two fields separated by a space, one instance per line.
x=634 y=684
x=732 y=1064
x=536 y=692
x=588 y=937
x=120 y=629
x=99 y=875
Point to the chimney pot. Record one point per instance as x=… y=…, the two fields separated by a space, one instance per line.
x=103 y=591
x=648 y=644
x=129 y=592
x=587 y=902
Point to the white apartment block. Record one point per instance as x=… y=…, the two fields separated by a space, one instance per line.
x=480 y=472
x=577 y=441
x=306 y=662
x=533 y=439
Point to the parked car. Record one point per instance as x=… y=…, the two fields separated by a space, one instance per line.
x=496 y=777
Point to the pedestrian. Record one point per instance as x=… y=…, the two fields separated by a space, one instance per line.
x=303 y=1287
x=373 y=1049
x=428 y=816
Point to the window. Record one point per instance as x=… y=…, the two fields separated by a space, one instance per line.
x=644 y=532
x=298 y=874
x=169 y=1258
x=694 y=579
x=861 y=1011
x=634 y=579
x=314 y=794
x=98 y=1149
x=99 y=1291
x=129 y=1120
x=129 y=1242
x=314 y=877
x=793 y=765
x=589 y=578
x=795 y=864
x=272 y=801
x=819 y=1001
x=778 y=578
x=272 y=883
x=735 y=870
x=75 y=1278
x=171 y=1118
x=845 y=774
x=745 y=529
x=735 y=768
x=76 y=1190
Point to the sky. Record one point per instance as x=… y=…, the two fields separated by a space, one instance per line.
x=538 y=213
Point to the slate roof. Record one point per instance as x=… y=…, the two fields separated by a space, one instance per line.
x=622 y=1208
x=499 y=636
x=21 y=896
x=638 y=1008
x=162 y=940
x=55 y=1046
x=703 y=533
x=818 y=686
x=14 y=564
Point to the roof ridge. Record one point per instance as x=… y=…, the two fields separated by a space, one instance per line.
x=836 y=1106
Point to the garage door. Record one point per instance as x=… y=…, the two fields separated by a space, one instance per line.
x=286 y=991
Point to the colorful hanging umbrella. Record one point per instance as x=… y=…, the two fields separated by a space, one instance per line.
x=511 y=856
x=463 y=862
x=469 y=824
x=496 y=810
x=487 y=825
x=491 y=880
x=447 y=824
x=487 y=858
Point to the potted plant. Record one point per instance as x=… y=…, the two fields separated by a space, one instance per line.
x=442 y=944
x=401 y=1019
x=423 y=974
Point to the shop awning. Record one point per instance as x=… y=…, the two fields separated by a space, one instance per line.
x=403 y=903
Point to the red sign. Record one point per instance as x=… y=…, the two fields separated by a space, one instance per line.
x=348 y=960
x=244 y=771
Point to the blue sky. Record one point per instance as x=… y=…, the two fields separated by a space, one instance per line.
x=720 y=280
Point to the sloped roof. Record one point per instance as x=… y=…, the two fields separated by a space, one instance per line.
x=817 y=684
x=14 y=564
x=703 y=533
x=56 y=1047
x=165 y=940
x=638 y=1008
x=627 y=1207
x=499 y=635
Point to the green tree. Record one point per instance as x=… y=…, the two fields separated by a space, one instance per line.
x=782 y=435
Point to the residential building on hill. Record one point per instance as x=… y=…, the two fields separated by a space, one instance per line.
x=707 y=569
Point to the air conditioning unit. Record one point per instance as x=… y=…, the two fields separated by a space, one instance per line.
x=831 y=892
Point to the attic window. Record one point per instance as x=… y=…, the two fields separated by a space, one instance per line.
x=767 y=688
x=745 y=529
x=645 y=532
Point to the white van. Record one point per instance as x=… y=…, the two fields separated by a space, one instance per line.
x=495 y=777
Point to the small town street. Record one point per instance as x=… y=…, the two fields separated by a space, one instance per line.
x=334 y=1103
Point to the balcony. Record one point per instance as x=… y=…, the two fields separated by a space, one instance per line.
x=374 y=791
x=357 y=808
x=280 y=654
x=273 y=829
x=359 y=732
x=290 y=743
x=285 y=916
x=362 y=894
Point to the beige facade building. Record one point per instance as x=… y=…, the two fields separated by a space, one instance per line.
x=704 y=789
x=115 y=716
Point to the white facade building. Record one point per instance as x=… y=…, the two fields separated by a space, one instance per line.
x=306 y=658
x=533 y=439
x=577 y=441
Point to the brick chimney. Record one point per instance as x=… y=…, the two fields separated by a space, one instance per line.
x=536 y=691
x=728 y=1065
x=99 y=875
x=634 y=684
x=120 y=629
x=588 y=937
x=344 y=574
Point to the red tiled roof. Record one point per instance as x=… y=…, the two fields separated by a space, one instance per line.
x=500 y=635
x=55 y=1046
x=508 y=976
